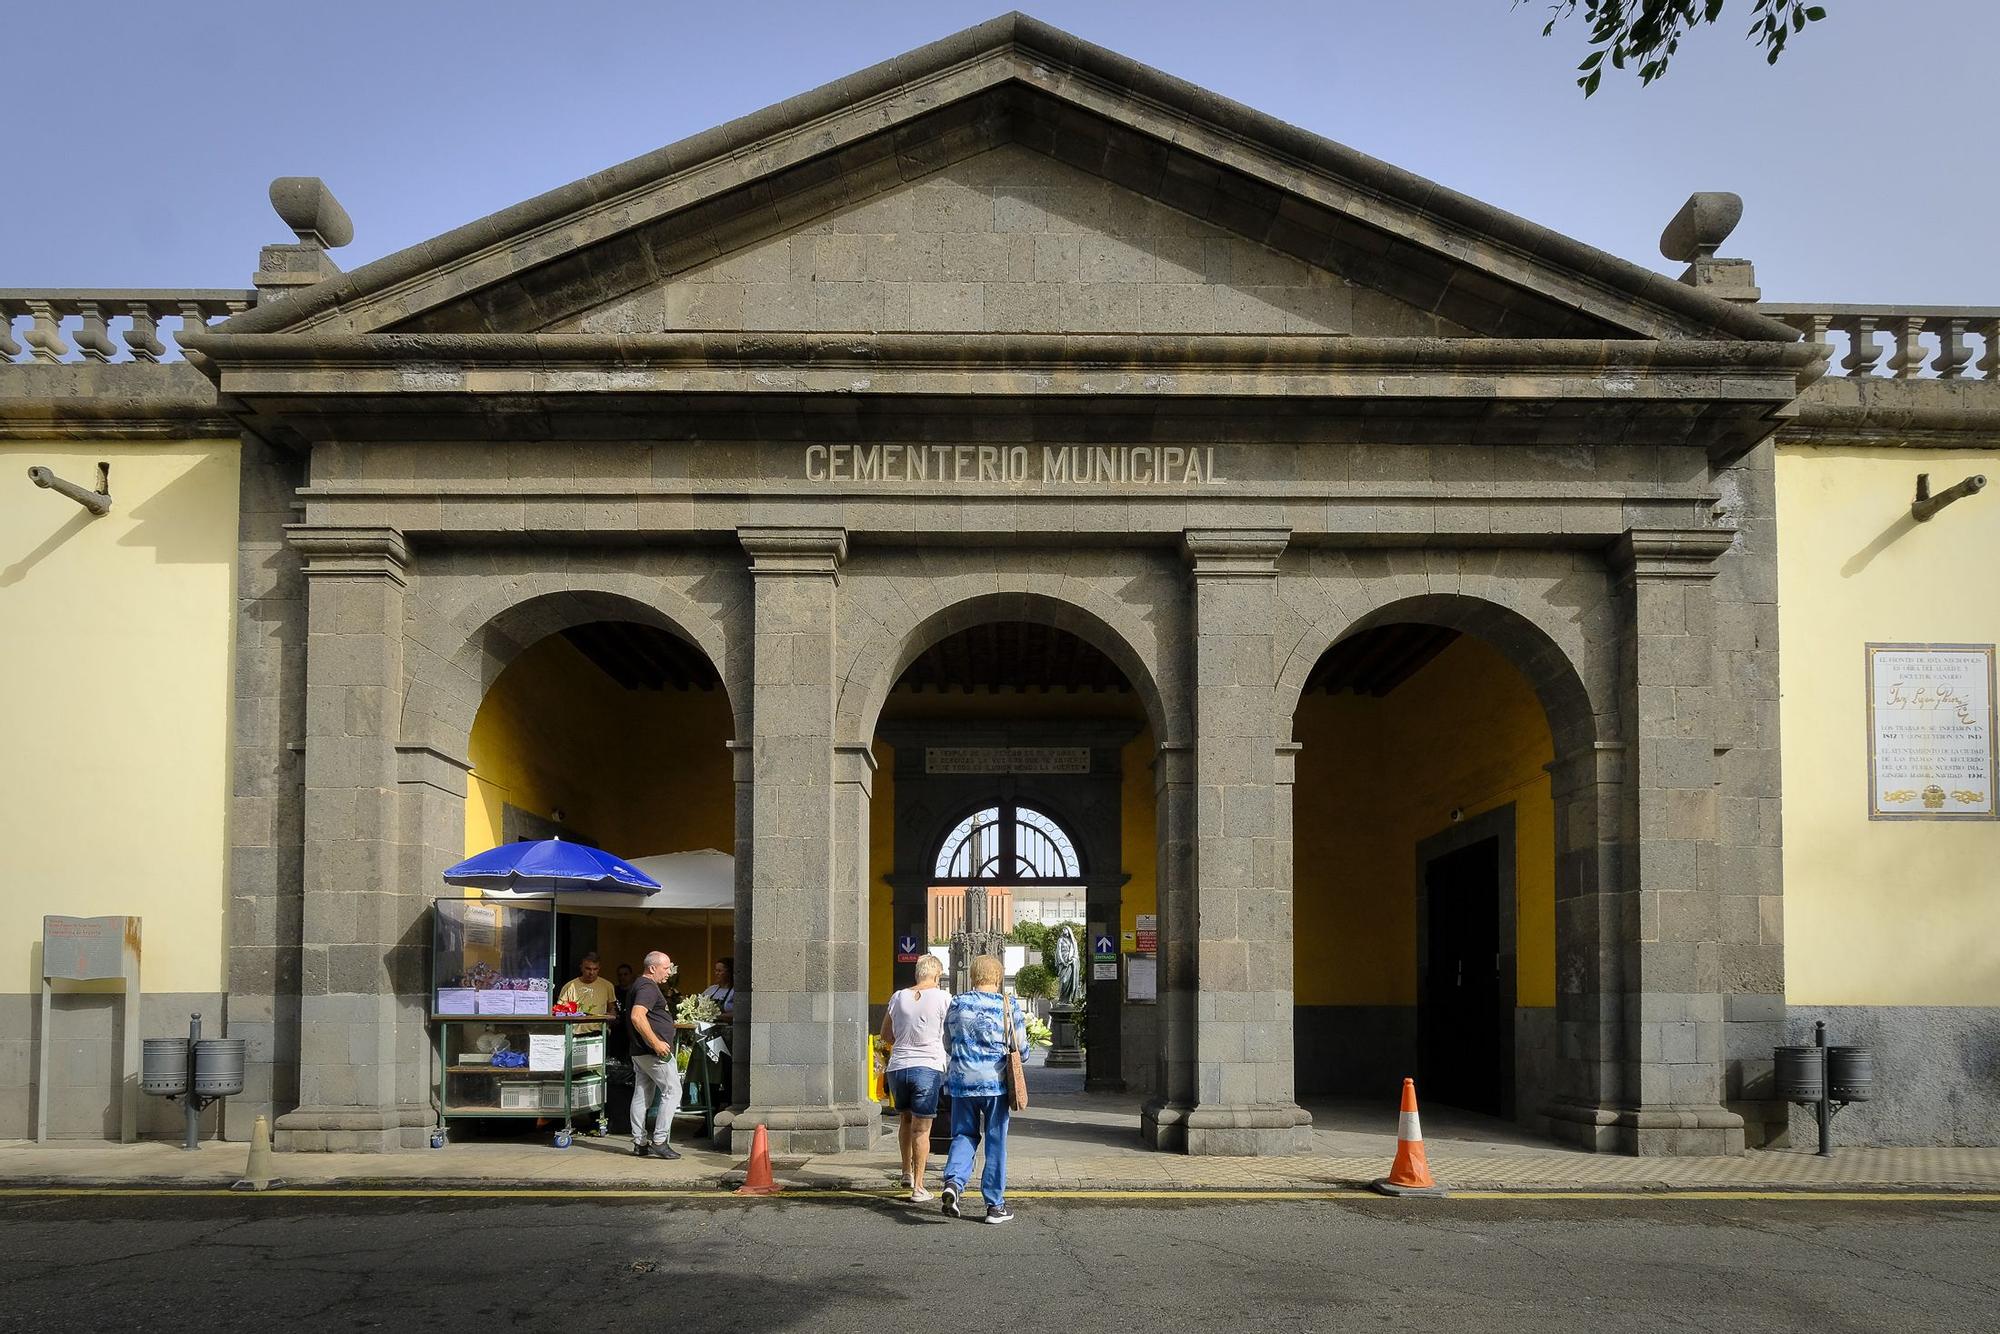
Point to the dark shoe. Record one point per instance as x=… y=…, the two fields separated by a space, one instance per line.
x=950 y=1200
x=639 y=1149
x=999 y=1213
x=665 y=1151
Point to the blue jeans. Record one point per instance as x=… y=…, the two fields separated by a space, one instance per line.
x=970 y=1117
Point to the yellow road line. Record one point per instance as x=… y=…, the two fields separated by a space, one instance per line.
x=581 y=1194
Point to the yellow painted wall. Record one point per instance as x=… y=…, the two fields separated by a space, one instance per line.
x=116 y=639
x=1878 y=912
x=640 y=771
x=1137 y=810
x=1376 y=777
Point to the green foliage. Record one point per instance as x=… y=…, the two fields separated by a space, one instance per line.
x=1032 y=934
x=1034 y=982
x=1038 y=1033
x=1647 y=33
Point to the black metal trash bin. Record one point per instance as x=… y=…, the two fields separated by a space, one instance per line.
x=1850 y=1074
x=218 y=1067
x=1798 y=1073
x=163 y=1067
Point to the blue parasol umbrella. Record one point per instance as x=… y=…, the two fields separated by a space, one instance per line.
x=549 y=865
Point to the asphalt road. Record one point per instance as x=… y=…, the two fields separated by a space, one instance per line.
x=694 y=1266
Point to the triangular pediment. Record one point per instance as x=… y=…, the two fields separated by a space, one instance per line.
x=1008 y=179
x=1010 y=241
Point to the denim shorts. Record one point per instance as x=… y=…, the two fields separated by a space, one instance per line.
x=914 y=1089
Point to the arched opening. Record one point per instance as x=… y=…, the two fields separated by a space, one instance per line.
x=1014 y=759
x=1425 y=866
x=611 y=732
x=1024 y=860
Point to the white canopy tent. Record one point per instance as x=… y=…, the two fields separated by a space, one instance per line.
x=703 y=881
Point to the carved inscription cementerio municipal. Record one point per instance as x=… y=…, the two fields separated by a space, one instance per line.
x=1049 y=465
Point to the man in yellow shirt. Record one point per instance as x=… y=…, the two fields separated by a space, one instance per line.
x=593 y=995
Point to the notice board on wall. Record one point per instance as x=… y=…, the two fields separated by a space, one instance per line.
x=1931 y=735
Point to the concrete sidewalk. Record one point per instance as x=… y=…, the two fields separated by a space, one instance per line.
x=1067 y=1141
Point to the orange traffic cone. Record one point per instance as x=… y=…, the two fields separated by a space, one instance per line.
x=758 y=1180
x=1411 y=1173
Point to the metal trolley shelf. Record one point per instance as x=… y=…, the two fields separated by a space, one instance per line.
x=571 y=1085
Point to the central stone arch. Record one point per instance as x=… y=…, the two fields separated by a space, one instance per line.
x=1107 y=625
x=454 y=660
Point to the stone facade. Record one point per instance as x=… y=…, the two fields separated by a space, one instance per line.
x=1015 y=330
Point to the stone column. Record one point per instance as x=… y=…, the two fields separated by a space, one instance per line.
x=364 y=951
x=1587 y=789
x=807 y=936
x=1661 y=919
x=1163 y=1120
x=1244 y=1101
x=742 y=757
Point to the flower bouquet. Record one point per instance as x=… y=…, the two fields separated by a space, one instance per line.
x=698 y=1010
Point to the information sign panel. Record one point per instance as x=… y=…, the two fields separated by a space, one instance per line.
x=1931 y=732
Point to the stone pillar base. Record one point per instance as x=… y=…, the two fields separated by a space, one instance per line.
x=352 y=1129
x=1163 y=1126
x=848 y=1127
x=1272 y=1130
x=1649 y=1132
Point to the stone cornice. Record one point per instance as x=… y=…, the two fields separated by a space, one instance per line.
x=1718 y=395
x=110 y=401
x=1875 y=411
x=795 y=551
x=609 y=362
x=1234 y=552
x=350 y=551
x=1669 y=553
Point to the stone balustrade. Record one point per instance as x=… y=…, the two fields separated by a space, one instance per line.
x=80 y=324
x=1943 y=342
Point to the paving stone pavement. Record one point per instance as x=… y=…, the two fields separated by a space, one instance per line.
x=1066 y=1141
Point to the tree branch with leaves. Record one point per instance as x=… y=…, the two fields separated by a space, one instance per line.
x=1646 y=34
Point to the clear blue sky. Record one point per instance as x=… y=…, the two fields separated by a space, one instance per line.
x=143 y=142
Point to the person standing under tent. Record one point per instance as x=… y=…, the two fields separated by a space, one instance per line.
x=653 y=1069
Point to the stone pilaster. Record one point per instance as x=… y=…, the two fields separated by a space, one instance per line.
x=362 y=1062
x=1242 y=1047
x=266 y=820
x=808 y=955
x=1661 y=927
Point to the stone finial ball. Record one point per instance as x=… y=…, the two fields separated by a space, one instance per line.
x=310 y=210
x=1703 y=224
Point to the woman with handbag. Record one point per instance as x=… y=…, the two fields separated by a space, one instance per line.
x=985 y=1034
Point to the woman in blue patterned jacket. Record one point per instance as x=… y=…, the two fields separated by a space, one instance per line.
x=975 y=1037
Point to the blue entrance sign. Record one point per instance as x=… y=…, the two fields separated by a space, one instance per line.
x=1104 y=948
x=906 y=949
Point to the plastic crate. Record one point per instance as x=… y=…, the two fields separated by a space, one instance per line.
x=587 y=1051
x=586 y=1092
x=524 y=1097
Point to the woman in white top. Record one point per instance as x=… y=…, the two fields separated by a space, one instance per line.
x=914 y=1030
x=723 y=993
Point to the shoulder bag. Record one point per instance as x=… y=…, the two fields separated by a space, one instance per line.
x=1017 y=1076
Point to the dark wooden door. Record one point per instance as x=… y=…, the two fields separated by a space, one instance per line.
x=1460 y=1023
